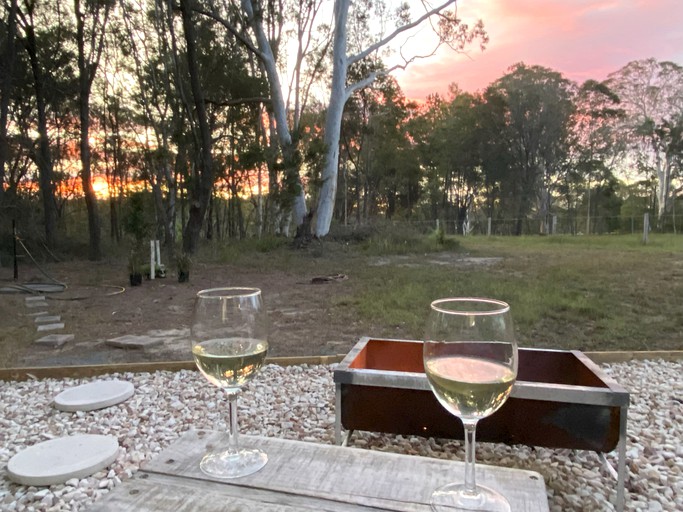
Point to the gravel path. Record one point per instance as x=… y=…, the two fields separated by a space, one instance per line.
x=301 y=406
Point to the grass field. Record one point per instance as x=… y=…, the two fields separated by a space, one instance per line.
x=590 y=293
x=571 y=292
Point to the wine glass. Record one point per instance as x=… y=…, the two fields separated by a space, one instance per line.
x=470 y=358
x=229 y=344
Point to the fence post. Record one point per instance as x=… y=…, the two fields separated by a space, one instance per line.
x=488 y=226
x=554 y=225
x=151 y=259
x=646 y=227
x=14 y=249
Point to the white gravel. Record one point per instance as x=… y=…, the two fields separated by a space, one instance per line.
x=297 y=402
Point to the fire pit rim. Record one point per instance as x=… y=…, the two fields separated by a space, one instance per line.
x=613 y=394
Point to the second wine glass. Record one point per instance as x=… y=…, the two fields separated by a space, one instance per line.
x=229 y=345
x=470 y=358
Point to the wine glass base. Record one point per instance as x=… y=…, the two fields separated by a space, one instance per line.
x=452 y=497
x=229 y=464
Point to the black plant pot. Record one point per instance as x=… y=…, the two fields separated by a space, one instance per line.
x=135 y=279
x=183 y=276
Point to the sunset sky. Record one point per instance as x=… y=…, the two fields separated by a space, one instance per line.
x=582 y=39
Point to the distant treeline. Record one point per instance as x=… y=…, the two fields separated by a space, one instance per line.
x=121 y=120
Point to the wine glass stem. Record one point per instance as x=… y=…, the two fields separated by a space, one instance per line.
x=233 y=443
x=470 y=427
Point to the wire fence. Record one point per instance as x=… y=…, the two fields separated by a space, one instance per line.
x=553 y=225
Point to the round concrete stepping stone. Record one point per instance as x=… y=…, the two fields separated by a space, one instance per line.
x=58 y=460
x=94 y=395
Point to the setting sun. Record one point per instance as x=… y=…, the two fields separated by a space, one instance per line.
x=100 y=187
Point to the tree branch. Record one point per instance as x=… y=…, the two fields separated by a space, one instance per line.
x=362 y=83
x=383 y=42
x=230 y=28
x=409 y=60
x=367 y=81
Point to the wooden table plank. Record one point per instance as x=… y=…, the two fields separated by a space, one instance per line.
x=161 y=493
x=320 y=477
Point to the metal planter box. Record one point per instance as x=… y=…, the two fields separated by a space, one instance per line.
x=561 y=399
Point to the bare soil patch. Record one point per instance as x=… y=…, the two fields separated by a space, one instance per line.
x=98 y=304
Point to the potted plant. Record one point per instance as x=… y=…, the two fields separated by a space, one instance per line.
x=135 y=265
x=183 y=264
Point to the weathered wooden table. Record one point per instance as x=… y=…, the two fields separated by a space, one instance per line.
x=310 y=477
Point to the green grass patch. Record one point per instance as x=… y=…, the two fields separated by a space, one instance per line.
x=608 y=292
x=589 y=293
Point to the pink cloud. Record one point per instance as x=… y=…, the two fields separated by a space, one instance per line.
x=580 y=38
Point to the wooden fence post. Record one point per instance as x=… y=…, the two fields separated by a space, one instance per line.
x=646 y=227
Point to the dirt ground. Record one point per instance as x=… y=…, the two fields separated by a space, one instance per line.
x=98 y=304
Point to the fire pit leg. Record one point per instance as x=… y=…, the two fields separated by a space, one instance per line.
x=619 y=474
x=347 y=437
x=621 y=465
x=337 y=420
x=337 y=414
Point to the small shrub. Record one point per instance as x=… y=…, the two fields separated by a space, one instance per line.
x=137 y=221
x=406 y=239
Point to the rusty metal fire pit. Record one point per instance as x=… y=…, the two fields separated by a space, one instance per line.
x=561 y=400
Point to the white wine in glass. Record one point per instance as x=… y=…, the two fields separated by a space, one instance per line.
x=229 y=345
x=470 y=358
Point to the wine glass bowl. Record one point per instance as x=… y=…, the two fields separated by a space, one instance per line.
x=470 y=359
x=229 y=345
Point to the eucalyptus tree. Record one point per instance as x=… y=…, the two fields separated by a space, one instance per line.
x=539 y=106
x=118 y=150
x=596 y=147
x=450 y=30
x=354 y=146
x=234 y=104
x=8 y=57
x=18 y=155
x=263 y=38
x=17 y=120
x=220 y=92
x=495 y=141
x=385 y=162
x=307 y=28
x=456 y=147
x=401 y=178
x=422 y=128
x=202 y=183
x=651 y=94
x=158 y=98
x=44 y=35
x=91 y=21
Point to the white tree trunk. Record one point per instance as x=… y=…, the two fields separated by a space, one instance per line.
x=277 y=101
x=340 y=93
x=663 y=167
x=333 y=121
